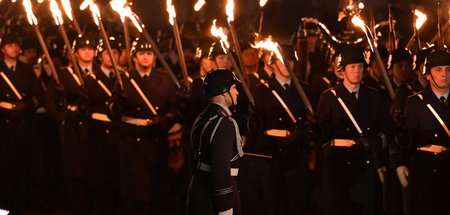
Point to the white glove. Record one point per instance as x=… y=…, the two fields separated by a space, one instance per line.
x=227 y=212
x=403 y=173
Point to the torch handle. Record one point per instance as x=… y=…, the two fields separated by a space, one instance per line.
x=161 y=57
x=297 y=85
x=108 y=47
x=70 y=51
x=261 y=18
x=76 y=25
x=239 y=74
x=47 y=55
x=126 y=33
x=181 y=59
x=411 y=40
x=238 y=50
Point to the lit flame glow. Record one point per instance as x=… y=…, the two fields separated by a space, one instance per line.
x=262 y=3
x=40 y=1
x=199 y=5
x=57 y=16
x=13 y=1
x=94 y=9
x=360 y=23
x=361 y=5
x=29 y=9
x=124 y=10
x=220 y=34
x=67 y=8
x=269 y=45
x=421 y=18
x=171 y=11
x=230 y=10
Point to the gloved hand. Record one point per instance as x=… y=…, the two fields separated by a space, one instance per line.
x=60 y=100
x=18 y=108
x=403 y=173
x=313 y=127
x=116 y=104
x=372 y=142
x=164 y=122
x=84 y=108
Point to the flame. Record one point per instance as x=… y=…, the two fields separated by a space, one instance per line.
x=29 y=9
x=361 y=5
x=67 y=8
x=171 y=11
x=421 y=18
x=40 y=1
x=269 y=45
x=230 y=10
x=220 y=34
x=262 y=3
x=13 y=1
x=124 y=10
x=57 y=16
x=199 y=5
x=94 y=9
x=358 y=22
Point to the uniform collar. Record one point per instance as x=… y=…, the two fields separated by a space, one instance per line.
x=8 y=65
x=282 y=83
x=439 y=95
x=105 y=71
x=89 y=68
x=223 y=107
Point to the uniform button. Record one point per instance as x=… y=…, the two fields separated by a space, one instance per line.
x=7 y=95
x=280 y=119
x=23 y=94
x=80 y=123
x=436 y=135
x=7 y=121
x=348 y=129
x=368 y=162
x=434 y=170
x=299 y=118
x=106 y=102
x=348 y=162
x=368 y=129
x=139 y=108
x=107 y=131
x=280 y=150
x=63 y=122
x=138 y=139
x=156 y=108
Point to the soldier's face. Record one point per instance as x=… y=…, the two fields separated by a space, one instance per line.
x=144 y=59
x=441 y=75
x=280 y=69
x=250 y=57
x=123 y=57
x=353 y=73
x=86 y=54
x=223 y=62
x=11 y=50
x=234 y=93
x=106 y=59
x=206 y=65
x=402 y=71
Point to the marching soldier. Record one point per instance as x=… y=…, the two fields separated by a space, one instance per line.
x=282 y=135
x=147 y=109
x=356 y=126
x=423 y=161
x=217 y=148
x=19 y=98
x=103 y=134
x=374 y=76
x=73 y=130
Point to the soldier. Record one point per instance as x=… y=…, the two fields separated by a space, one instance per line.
x=218 y=56
x=400 y=64
x=19 y=98
x=103 y=134
x=423 y=161
x=73 y=130
x=282 y=134
x=374 y=76
x=356 y=126
x=420 y=82
x=147 y=109
x=324 y=80
x=217 y=148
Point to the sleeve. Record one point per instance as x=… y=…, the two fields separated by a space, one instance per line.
x=221 y=153
x=324 y=115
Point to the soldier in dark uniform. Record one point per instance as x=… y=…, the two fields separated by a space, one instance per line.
x=103 y=134
x=147 y=109
x=351 y=184
x=19 y=98
x=423 y=161
x=282 y=134
x=324 y=80
x=400 y=64
x=217 y=148
x=73 y=130
x=420 y=82
x=374 y=76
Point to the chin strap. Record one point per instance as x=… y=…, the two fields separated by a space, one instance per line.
x=232 y=100
x=432 y=78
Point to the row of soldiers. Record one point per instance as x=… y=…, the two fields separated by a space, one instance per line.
x=124 y=145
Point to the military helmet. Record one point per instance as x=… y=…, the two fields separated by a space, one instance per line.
x=203 y=49
x=350 y=56
x=113 y=42
x=383 y=51
x=215 y=50
x=9 y=38
x=288 y=50
x=219 y=81
x=140 y=44
x=399 y=55
x=419 y=58
x=83 y=41
x=436 y=58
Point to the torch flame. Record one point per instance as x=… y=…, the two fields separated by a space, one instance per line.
x=29 y=9
x=13 y=1
x=94 y=9
x=269 y=45
x=262 y=3
x=230 y=10
x=358 y=22
x=124 y=10
x=421 y=18
x=361 y=5
x=67 y=8
x=220 y=34
x=171 y=11
x=40 y=1
x=57 y=16
x=199 y=5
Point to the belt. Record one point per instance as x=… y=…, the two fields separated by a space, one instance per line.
x=342 y=142
x=277 y=133
x=7 y=105
x=432 y=148
x=136 y=121
x=72 y=107
x=100 y=117
x=207 y=168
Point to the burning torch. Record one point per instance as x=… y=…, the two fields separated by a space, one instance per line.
x=122 y=7
x=176 y=32
x=33 y=21
x=262 y=3
x=219 y=33
x=373 y=46
x=97 y=19
x=420 y=20
x=68 y=10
